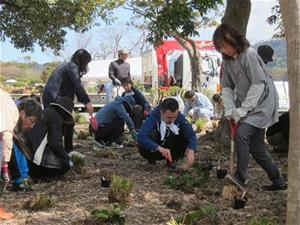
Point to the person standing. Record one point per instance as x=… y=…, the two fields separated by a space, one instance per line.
x=250 y=99
x=65 y=80
x=119 y=70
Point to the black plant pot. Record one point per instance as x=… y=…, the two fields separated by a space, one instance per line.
x=239 y=203
x=221 y=173
x=104 y=182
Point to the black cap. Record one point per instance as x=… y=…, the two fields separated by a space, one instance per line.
x=266 y=52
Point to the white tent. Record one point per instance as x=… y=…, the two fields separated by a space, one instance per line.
x=98 y=69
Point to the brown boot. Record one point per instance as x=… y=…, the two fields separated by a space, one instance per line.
x=5 y=215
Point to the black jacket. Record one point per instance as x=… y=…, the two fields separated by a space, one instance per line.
x=64 y=81
x=139 y=98
x=45 y=140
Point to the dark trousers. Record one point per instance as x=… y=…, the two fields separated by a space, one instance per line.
x=110 y=132
x=43 y=173
x=138 y=116
x=68 y=136
x=250 y=139
x=176 y=143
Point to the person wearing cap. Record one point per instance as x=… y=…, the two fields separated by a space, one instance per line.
x=111 y=118
x=44 y=143
x=197 y=105
x=266 y=53
x=166 y=134
x=119 y=69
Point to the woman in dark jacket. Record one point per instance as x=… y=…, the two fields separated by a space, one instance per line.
x=66 y=81
x=48 y=157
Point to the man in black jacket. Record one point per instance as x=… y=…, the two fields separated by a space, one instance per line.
x=141 y=108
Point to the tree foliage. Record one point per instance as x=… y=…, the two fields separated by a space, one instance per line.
x=165 y=19
x=276 y=20
x=45 y=22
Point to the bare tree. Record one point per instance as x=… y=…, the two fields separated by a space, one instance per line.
x=291 y=20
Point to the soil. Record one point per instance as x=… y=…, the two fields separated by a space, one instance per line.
x=77 y=194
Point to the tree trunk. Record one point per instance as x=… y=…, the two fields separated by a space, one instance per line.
x=195 y=61
x=237 y=14
x=291 y=19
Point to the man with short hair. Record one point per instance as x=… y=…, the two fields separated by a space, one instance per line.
x=166 y=134
x=119 y=69
x=197 y=105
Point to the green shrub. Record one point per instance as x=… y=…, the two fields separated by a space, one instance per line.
x=41 y=201
x=113 y=216
x=78 y=118
x=120 y=190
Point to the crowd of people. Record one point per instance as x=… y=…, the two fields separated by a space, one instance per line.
x=36 y=141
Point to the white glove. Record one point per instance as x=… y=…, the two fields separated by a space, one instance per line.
x=228 y=114
x=238 y=114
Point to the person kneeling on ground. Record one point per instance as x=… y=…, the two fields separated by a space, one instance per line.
x=166 y=134
x=46 y=155
x=141 y=108
x=111 y=119
x=278 y=134
x=197 y=105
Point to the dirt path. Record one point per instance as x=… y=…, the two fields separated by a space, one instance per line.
x=153 y=203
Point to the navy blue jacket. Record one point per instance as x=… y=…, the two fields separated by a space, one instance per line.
x=139 y=99
x=114 y=110
x=64 y=81
x=153 y=122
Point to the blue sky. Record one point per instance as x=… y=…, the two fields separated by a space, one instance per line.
x=258 y=30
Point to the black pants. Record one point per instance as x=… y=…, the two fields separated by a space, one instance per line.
x=176 y=143
x=43 y=173
x=68 y=136
x=250 y=139
x=110 y=132
x=138 y=116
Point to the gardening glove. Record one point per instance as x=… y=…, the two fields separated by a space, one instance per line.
x=228 y=113
x=134 y=135
x=71 y=164
x=238 y=114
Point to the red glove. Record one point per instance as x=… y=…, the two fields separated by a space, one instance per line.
x=146 y=113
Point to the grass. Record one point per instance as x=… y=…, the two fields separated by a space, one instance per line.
x=200 y=124
x=261 y=221
x=78 y=118
x=41 y=201
x=120 y=190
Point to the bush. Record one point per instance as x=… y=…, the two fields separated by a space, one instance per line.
x=120 y=190
x=41 y=201
x=78 y=118
x=113 y=216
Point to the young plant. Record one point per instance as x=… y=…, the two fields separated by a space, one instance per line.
x=194 y=216
x=113 y=216
x=200 y=124
x=78 y=118
x=77 y=158
x=120 y=190
x=172 y=221
x=260 y=221
x=40 y=202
